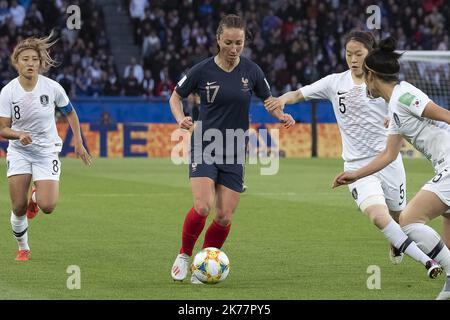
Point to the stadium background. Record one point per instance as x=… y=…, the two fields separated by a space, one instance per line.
x=120 y=220
x=120 y=68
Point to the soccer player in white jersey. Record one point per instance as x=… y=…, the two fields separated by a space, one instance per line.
x=27 y=120
x=415 y=117
x=380 y=196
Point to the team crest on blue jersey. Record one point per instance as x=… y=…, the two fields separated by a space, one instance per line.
x=44 y=99
x=244 y=84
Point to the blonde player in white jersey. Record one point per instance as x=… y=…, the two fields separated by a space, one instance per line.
x=381 y=196
x=416 y=118
x=27 y=120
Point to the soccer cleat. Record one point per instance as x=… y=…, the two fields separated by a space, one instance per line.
x=180 y=267
x=433 y=269
x=23 y=255
x=445 y=293
x=194 y=280
x=395 y=255
x=32 y=209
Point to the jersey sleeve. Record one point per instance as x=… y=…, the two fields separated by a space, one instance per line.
x=61 y=98
x=321 y=89
x=5 y=109
x=189 y=82
x=261 y=87
x=413 y=102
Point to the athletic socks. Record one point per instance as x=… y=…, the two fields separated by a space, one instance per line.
x=430 y=242
x=20 y=230
x=192 y=227
x=216 y=235
x=400 y=240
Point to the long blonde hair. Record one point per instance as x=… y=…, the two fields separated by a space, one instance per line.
x=41 y=46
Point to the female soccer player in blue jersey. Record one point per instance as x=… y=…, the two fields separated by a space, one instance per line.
x=419 y=120
x=225 y=84
x=27 y=120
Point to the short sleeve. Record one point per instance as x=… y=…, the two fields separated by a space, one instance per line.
x=318 y=90
x=261 y=87
x=393 y=124
x=61 y=98
x=5 y=108
x=413 y=101
x=189 y=82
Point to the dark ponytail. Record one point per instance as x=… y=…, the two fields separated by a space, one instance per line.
x=383 y=61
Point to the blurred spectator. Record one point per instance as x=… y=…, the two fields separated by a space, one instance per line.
x=131 y=86
x=134 y=69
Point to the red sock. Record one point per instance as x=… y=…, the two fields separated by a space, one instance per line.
x=192 y=227
x=216 y=235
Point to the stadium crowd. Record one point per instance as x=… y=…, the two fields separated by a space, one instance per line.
x=294 y=41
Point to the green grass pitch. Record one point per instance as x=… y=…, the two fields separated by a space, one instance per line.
x=293 y=237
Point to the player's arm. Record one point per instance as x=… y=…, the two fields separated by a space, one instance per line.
x=389 y=154
x=74 y=123
x=10 y=134
x=434 y=112
x=290 y=97
x=176 y=107
x=284 y=118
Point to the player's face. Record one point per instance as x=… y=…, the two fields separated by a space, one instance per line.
x=355 y=52
x=28 y=63
x=231 y=43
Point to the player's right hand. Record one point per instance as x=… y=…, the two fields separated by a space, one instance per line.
x=273 y=103
x=25 y=138
x=186 y=123
x=343 y=178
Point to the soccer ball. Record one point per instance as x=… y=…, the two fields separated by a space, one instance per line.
x=210 y=266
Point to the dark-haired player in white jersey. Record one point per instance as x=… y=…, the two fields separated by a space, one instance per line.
x=419 y=120
x=382 y=195
x=27 y=120
x=225 y=84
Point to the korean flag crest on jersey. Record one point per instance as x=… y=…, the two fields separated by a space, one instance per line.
x=44 y=99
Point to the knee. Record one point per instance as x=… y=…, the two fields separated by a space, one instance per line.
x=223 y=217
x=47 y=208
x=20 y=209
x=203 y=208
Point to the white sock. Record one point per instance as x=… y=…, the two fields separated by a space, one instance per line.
x=430 y=242
x=20 y=230
x=400 y=240
x=33 y=197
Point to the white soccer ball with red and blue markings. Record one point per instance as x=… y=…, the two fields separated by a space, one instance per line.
x=210 y=266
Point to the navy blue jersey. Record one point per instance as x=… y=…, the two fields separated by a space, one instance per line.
x=225 y=96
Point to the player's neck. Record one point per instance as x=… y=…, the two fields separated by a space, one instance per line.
x=224 y=64
x=28 y=83
x=386 y=89
x=358 y=79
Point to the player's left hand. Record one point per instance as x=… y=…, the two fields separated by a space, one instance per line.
x=81 y=153
x=287 y=120
x=343 y=178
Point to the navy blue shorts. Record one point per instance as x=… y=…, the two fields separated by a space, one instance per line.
x=228 y=175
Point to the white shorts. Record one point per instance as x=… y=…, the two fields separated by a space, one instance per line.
x=389 y=182
x=440 y=185
x=47 y=167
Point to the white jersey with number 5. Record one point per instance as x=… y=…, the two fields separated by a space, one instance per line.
x=34 y=113
x=428 y=136
x=360 y=119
